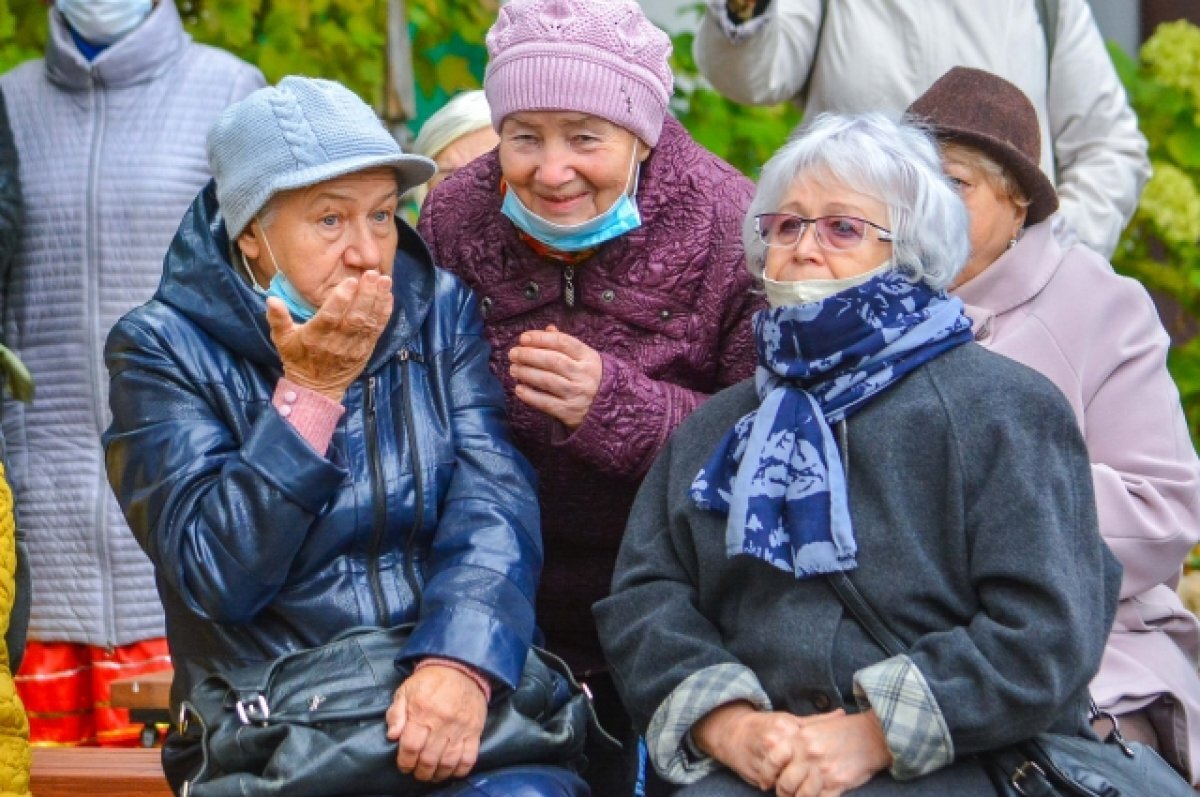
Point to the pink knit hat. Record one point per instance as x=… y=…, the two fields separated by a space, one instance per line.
x=600 y=57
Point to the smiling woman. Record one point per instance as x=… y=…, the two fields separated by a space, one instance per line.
x=603 y=242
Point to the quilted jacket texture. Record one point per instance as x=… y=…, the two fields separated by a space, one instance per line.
x=262 y=544
x=112 y=152
x=667 y=307
x=15 y=756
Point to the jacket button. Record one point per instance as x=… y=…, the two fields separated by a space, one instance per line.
x=608 y=295
x=821 y=702
x=485 y=305
x=665 y=315
x=531 y=291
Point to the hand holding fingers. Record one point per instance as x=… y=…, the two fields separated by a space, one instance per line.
x=557 y=374
x=835 y=753
x=754 y=744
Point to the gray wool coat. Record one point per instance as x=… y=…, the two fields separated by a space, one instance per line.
x=971 y=499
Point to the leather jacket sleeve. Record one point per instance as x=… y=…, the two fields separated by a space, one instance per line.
x=486 y=557
x=221 y=509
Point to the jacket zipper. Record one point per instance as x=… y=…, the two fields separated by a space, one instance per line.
x=378 y=501
x=93 y=283
x=410 y=567
x=569 y=284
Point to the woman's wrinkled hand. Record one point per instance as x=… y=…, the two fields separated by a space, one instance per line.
x=437 y=718
x=755 y=744
x=329 y=351
x=832 y=754
x=556 y=373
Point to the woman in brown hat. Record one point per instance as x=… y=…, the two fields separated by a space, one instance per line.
x=1096 y=335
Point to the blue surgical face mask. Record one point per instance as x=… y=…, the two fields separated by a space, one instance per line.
x=281 y=286
x=619 y=219
x=104 y=21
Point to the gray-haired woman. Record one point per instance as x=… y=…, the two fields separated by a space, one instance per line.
x=877 y=439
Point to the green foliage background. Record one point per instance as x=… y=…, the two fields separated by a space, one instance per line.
x=1161 y=245
x=345 y=40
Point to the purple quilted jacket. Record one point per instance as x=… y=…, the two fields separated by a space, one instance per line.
x=668 y=308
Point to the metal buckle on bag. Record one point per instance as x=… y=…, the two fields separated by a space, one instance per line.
x=1026 y=772
x=253 y=711
x=183 y=719
x=186 y=789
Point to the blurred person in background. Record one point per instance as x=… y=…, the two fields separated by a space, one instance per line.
x=456 y=134
x=109 y=129
x=879 y=55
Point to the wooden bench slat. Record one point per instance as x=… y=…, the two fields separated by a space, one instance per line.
x=100 y=771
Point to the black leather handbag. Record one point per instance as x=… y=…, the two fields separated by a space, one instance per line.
x=312 y=722
x=1050 y=764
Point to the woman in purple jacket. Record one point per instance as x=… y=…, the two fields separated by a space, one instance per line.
x=605 y=246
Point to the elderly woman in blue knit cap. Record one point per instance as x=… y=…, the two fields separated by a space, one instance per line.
x=877 y=441
x=306 y=438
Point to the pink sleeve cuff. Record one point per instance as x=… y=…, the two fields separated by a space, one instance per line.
x=312 y=415
x=479 y=678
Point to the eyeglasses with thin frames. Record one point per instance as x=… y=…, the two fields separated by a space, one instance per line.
x=837 y=233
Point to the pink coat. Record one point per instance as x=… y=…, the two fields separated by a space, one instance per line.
x=1097 y=336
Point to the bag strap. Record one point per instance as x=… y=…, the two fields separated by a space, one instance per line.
x=865 y=613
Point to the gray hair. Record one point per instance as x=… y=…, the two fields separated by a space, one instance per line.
x=462 y=115
x=893 y=162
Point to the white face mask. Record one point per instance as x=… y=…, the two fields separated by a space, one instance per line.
x=809 y=291
x=104 y=21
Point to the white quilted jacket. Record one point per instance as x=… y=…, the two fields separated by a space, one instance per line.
x=111 y=155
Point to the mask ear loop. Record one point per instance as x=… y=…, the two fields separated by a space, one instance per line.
x=635 y=171
x=249 y=273
x=267 y=241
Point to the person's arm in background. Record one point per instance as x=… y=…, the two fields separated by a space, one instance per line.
x=1099 y=153
x=765 y=60
x=11 y=218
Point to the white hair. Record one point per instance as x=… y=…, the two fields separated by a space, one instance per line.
x=462 y=115
x=893 y=162
x=465 y=113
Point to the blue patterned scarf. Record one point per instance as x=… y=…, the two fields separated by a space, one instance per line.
x=778 y=473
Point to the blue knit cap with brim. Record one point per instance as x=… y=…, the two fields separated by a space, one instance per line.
x=298 y=133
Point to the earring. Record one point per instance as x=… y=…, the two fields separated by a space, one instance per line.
x=1012 y=242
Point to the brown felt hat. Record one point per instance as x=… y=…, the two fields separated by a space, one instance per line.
x=986 y=112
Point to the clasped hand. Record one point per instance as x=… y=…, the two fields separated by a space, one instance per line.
x=437 y=718
x=822 y=755
x=556 y=373
x=329 y=351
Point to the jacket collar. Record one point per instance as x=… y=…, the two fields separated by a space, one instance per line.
x=201 y=283
x=145 y=53
x=1017 y=276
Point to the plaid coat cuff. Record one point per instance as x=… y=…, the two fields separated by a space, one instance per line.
x=913 y=724
x=668 y=739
